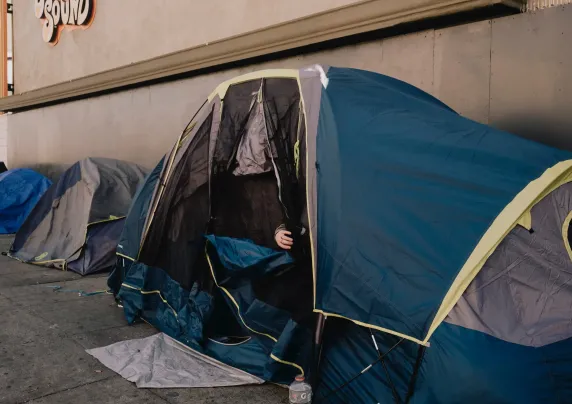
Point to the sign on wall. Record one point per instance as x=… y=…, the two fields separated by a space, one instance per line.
x=59 y=14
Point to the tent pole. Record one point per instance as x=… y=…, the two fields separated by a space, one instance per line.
x=420 y=354
x=318 y=338
x=365 y=370
x=380 y=355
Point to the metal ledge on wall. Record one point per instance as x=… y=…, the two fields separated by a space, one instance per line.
x=354 y=19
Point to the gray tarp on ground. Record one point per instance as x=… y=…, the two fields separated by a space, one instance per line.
x=523 y=294
x=161 y=362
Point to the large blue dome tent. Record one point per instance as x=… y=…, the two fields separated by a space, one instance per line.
x=20 y=190
x=439 y=262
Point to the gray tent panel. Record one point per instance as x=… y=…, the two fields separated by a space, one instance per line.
x=312 y=95
x=113 y=184
x=161 y=362
x=61 y=233
x=523 y=294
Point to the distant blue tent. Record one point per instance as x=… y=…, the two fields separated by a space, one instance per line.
x=20 y=190
x=439 y=247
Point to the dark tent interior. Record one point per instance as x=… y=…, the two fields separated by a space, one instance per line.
x=241 y=183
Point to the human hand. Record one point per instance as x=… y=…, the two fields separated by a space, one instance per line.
x=284 y=240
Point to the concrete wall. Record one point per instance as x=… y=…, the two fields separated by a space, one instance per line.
x=127 y=31
x=514 y=73
x=531 y=75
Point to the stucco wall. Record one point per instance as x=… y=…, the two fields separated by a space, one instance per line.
x=140 y=125
x=483 y=70
x=127 y=31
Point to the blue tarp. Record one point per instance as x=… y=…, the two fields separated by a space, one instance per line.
x=20 y=190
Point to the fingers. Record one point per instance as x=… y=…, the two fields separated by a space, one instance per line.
x=283 y=240
x=284 y=246
x=282 y=243
x=283 y=233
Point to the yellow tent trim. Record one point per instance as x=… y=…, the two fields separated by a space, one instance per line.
x=511 y=215
x=38 y=262
x=110 y=219
x=225 y=344
x=274 y=357
x=277 y=359
x=125 y=256
x=46 y=262
x=151 y=292
x=42 y=255
x=526 y=220
x=188 y=131
x=565 y=227
x=374 y=327
x=270 y=73
x=242 y=319
x=235 y=302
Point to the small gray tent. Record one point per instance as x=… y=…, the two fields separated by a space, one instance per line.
x=78 y=221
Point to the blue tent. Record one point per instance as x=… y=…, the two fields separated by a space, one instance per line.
x=432 y=261
x=20 y=190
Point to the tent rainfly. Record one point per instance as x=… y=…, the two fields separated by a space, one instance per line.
x=20 y=190
x=438 y=267
x=77 y=222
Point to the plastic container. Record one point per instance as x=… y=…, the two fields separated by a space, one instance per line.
x=300 y=392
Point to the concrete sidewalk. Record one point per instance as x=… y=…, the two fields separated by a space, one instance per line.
x=44 y=334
